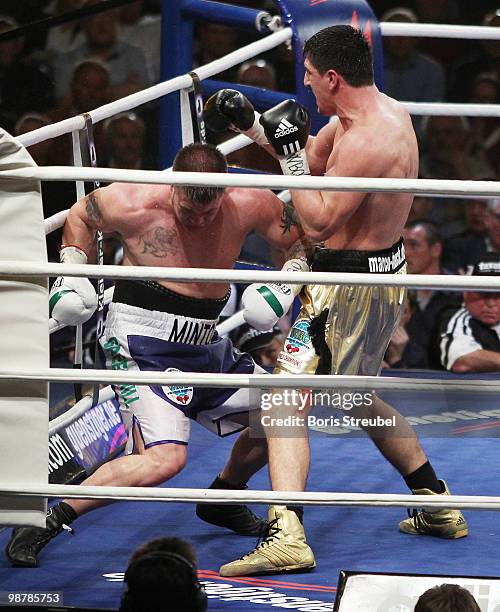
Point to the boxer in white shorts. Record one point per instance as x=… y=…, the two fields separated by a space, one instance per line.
x=168 y=325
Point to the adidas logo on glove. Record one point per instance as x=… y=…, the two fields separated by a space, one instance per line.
x=285 y=128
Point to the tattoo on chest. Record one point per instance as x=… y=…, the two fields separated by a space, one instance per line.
x=288 y=217
x=160 y=242
x=92 y=208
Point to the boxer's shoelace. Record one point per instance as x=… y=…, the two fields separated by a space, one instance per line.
x=47 y=534
x=267 y=537
x=44 y=537
x=416 y=516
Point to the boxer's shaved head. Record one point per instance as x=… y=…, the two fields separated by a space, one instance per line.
x=200 y=158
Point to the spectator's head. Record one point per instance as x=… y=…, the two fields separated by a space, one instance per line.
x=196 y=207
x=493 y=223
x=447 y=598
x=125 y=140
x=215 y=40
x=475 y=216
x=161 y=575
x=423 y=247
x=66 y=6
x=433 y=11
x=257 y=73
x=89 y=85
x=100 y=29
x=174 y=545
x=485 y=305
x=40 y=151
x=421 y=208
x=131 y=13
x=11 y=49
x=484 y=89
x=264 y=346
x=492 y=47
x=444 y=135
x=399 y=47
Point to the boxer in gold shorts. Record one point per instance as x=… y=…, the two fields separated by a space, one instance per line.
x=344 y=329
x=340 y=329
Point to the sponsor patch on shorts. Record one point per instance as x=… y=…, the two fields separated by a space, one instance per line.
x=179 y=394
x=298 y=340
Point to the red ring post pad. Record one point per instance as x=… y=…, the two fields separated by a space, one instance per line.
x=306 y=17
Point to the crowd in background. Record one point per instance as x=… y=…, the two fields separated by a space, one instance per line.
x=51 y=74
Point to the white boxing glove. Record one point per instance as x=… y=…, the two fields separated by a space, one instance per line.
x=264 y=304
x=72 y=300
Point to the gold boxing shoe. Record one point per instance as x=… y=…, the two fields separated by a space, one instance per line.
x=283 y=549
x=441 y=523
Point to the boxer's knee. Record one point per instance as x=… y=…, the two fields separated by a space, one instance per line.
x=164 y=461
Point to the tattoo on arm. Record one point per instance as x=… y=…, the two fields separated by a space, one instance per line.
x=288 y=217
x=92 y=208
x=160 y=242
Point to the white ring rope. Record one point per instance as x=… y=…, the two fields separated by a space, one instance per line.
x=79 y=409
x=223 y=328
x=437 y=30
x=446 y=109
x=253 y=381
x=259 y=181
x=452 y=282
x=232 y=59
x=234 y=144
x=309 y=498
x=51 y=224
x=232 y=322
x=203 y=495
x=156 y=91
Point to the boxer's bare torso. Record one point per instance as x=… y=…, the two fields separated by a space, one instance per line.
x=390 y=142
x=372 y=137
x=159 y=226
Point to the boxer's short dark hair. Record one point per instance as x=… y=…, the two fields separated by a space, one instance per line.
x=344 y=49
x=198 y=157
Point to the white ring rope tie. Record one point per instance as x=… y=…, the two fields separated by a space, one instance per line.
x=477 y=502
x=259 y=181
x=453 y=282
x=253 y=381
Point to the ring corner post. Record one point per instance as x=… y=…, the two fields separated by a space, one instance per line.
x=176 y=59
x=24 y=341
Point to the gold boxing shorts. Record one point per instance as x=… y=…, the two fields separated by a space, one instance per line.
x=345 y=329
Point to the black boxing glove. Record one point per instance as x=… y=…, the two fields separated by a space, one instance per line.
x=286 y=127
x=230 y=109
